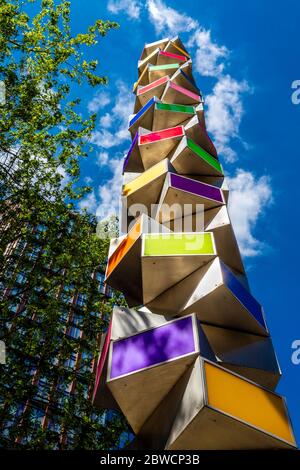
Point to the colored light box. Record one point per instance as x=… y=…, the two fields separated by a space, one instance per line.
x=182 y=196
x=177 y=254
x=178 y=244
x=149 y=148
x=228 y=413
x=177 y=94
x=152 y=360
x=191 y=159
x=146 y=188
x=145 y=93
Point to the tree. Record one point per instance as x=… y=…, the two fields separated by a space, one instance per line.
x=43 y=136
x=49 y=253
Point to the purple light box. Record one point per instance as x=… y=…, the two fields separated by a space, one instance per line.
x=196 y=187
x=152 y=347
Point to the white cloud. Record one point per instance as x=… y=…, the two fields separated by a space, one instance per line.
x=248 y=199
x=99 y=100
x=131 y=7
x=103 y=138
x=104 y=200
x=106 y=120
x=102 y=158
x=110 y=191
x=167 y=20
x=65 y=177
x=115 y=131
x=89 y=202
x=224 y=113
x=88 y=179
x=208 y=54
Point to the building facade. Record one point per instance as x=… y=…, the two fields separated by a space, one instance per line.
x=51 y=335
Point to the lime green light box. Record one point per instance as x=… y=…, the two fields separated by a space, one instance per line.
x=178 y=244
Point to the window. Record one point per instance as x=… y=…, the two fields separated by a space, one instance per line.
x=70 y=437
x=70 y=363
x=100 y=278
x=85 y=391
x=77 y=319
x=43 y=388
x=67 y=294
x=33 y=253
x=64 y=315
x=102 y=288
x=53 y=425
x=63 y=389
x=13 y=307
x=99 y=418
x=74 y=332
x=6 y=428
x=14 y=291
x=53 y=360
x=8 y=325
x=109 y=415
x=37 y=416
x=108 y=291
x=21 y=278
x=17 y=410
x=38 y=289
x=24 y=440
x=81 y=300
x=86 y=362
x=32 y=370
x=40 y=229
x=125 y=438
x=30 y=367
x=94 y=313
x=19 y=247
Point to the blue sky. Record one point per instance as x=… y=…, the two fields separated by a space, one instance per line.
x=245 y=57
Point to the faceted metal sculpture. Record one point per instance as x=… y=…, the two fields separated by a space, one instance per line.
x=192 y=366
